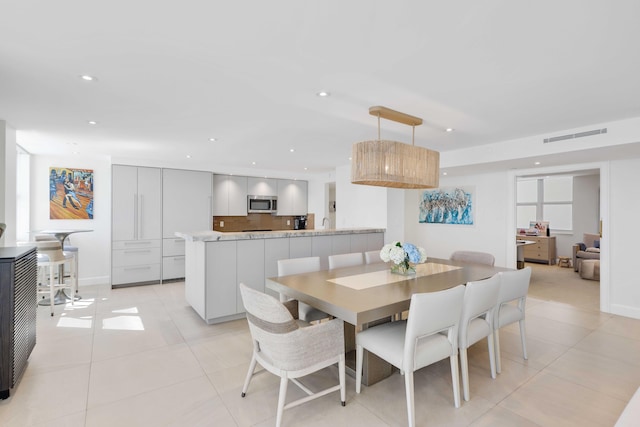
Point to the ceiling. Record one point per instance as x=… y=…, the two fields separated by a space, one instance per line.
x=172 y=75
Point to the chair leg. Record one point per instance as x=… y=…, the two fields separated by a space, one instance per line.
x=343 y=383
x=492 y=355
x=409 y=387
x=52 y=290
x=359 y=357
x=284 y=381
x=464 y=367
x=523 y=338
x=496 y=344
x=252 y=367
x=455 y=379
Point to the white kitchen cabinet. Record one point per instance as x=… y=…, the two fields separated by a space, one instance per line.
x=262 y=186
x=220 y=277
x=136 y=224
x=292 y=197
x=229 y=195
x=341 y=244
x=300 y=247
x=250 y=268
x=274 y=249
x=186 y=207
x=321 y=247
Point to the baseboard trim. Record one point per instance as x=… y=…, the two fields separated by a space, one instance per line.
x=625 y=310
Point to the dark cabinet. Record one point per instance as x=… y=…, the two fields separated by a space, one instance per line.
x=18 y=304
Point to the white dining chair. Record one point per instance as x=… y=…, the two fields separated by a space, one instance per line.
x=288 y=351
x=290 y=266
x=510 y=308
x=476 y=323
x=345 y=260
x=429 y=334
x=474 y=257
x=372 y=257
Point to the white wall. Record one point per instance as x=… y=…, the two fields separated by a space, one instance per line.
x=94 y=247
x=487 y=234
x=8 y=158
x=359 y=205
x=623 y=237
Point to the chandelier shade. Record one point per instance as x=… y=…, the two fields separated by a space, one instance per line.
x=394 y=164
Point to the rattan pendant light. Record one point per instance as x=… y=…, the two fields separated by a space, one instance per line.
x=392 y=163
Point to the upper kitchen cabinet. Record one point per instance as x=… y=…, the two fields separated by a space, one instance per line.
x=262 y=186
x=292 y=197
x=229 y=195
x=186 y=201
x=136 y=203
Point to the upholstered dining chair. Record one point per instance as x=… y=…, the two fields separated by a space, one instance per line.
x=514 y=286
x=475 y=257
x=476 y=323
x=290 y=266
x=372 y=257
x=345 y=260
x=429 y=334
x=288 y=351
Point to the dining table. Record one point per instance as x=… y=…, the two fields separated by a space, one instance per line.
x=366 y=295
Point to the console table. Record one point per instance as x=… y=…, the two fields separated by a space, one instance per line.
x=18 y=288
x=542 y=250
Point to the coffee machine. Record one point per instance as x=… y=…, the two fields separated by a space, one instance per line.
x=300 y=222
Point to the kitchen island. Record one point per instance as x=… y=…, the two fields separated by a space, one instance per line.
x=216 y=262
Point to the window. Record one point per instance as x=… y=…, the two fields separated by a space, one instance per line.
x=545 y=199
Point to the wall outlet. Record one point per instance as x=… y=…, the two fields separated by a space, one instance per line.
x=288 y=222
x=221 y=224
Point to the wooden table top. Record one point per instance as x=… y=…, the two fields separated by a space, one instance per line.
x=360 y=306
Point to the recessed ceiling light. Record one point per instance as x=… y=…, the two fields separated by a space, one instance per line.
x=291 y=150
x=349 y=158
x=75 y=152
x=323 y=94
x=253 y=163
x=444 y=173
x=306 y=168
x=88 y=78
x=450 y=129
x=188 y=156
x=213 y=139
x=536 y=163
x=92 y=122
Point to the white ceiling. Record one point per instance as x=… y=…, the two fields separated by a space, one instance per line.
x=173 y=74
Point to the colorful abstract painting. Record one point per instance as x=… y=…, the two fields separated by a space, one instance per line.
x=70 y=193
x=447 y=206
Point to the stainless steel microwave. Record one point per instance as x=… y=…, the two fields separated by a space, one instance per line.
x=262 y=204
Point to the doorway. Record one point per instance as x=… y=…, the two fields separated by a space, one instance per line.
x=565 y=240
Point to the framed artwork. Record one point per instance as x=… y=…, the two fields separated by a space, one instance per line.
x=454 y=205
x=70 y=193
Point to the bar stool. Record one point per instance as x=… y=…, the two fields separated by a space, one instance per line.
x=50 y=256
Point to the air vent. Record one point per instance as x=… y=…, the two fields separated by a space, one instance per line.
x=576 y=135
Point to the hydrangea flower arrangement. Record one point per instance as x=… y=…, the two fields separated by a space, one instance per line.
x=404 y=256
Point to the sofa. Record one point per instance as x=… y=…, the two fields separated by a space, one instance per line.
x=589 y=248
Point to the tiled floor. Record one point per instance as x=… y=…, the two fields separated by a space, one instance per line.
x=142 y=357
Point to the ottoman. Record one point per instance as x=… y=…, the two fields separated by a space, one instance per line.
x=590 y=269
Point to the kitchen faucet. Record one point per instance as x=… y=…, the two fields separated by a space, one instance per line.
x=328 y=222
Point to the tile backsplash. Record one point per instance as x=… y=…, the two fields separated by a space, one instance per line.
x=257 y=221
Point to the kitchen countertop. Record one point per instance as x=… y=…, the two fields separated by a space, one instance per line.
x=214 y=236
